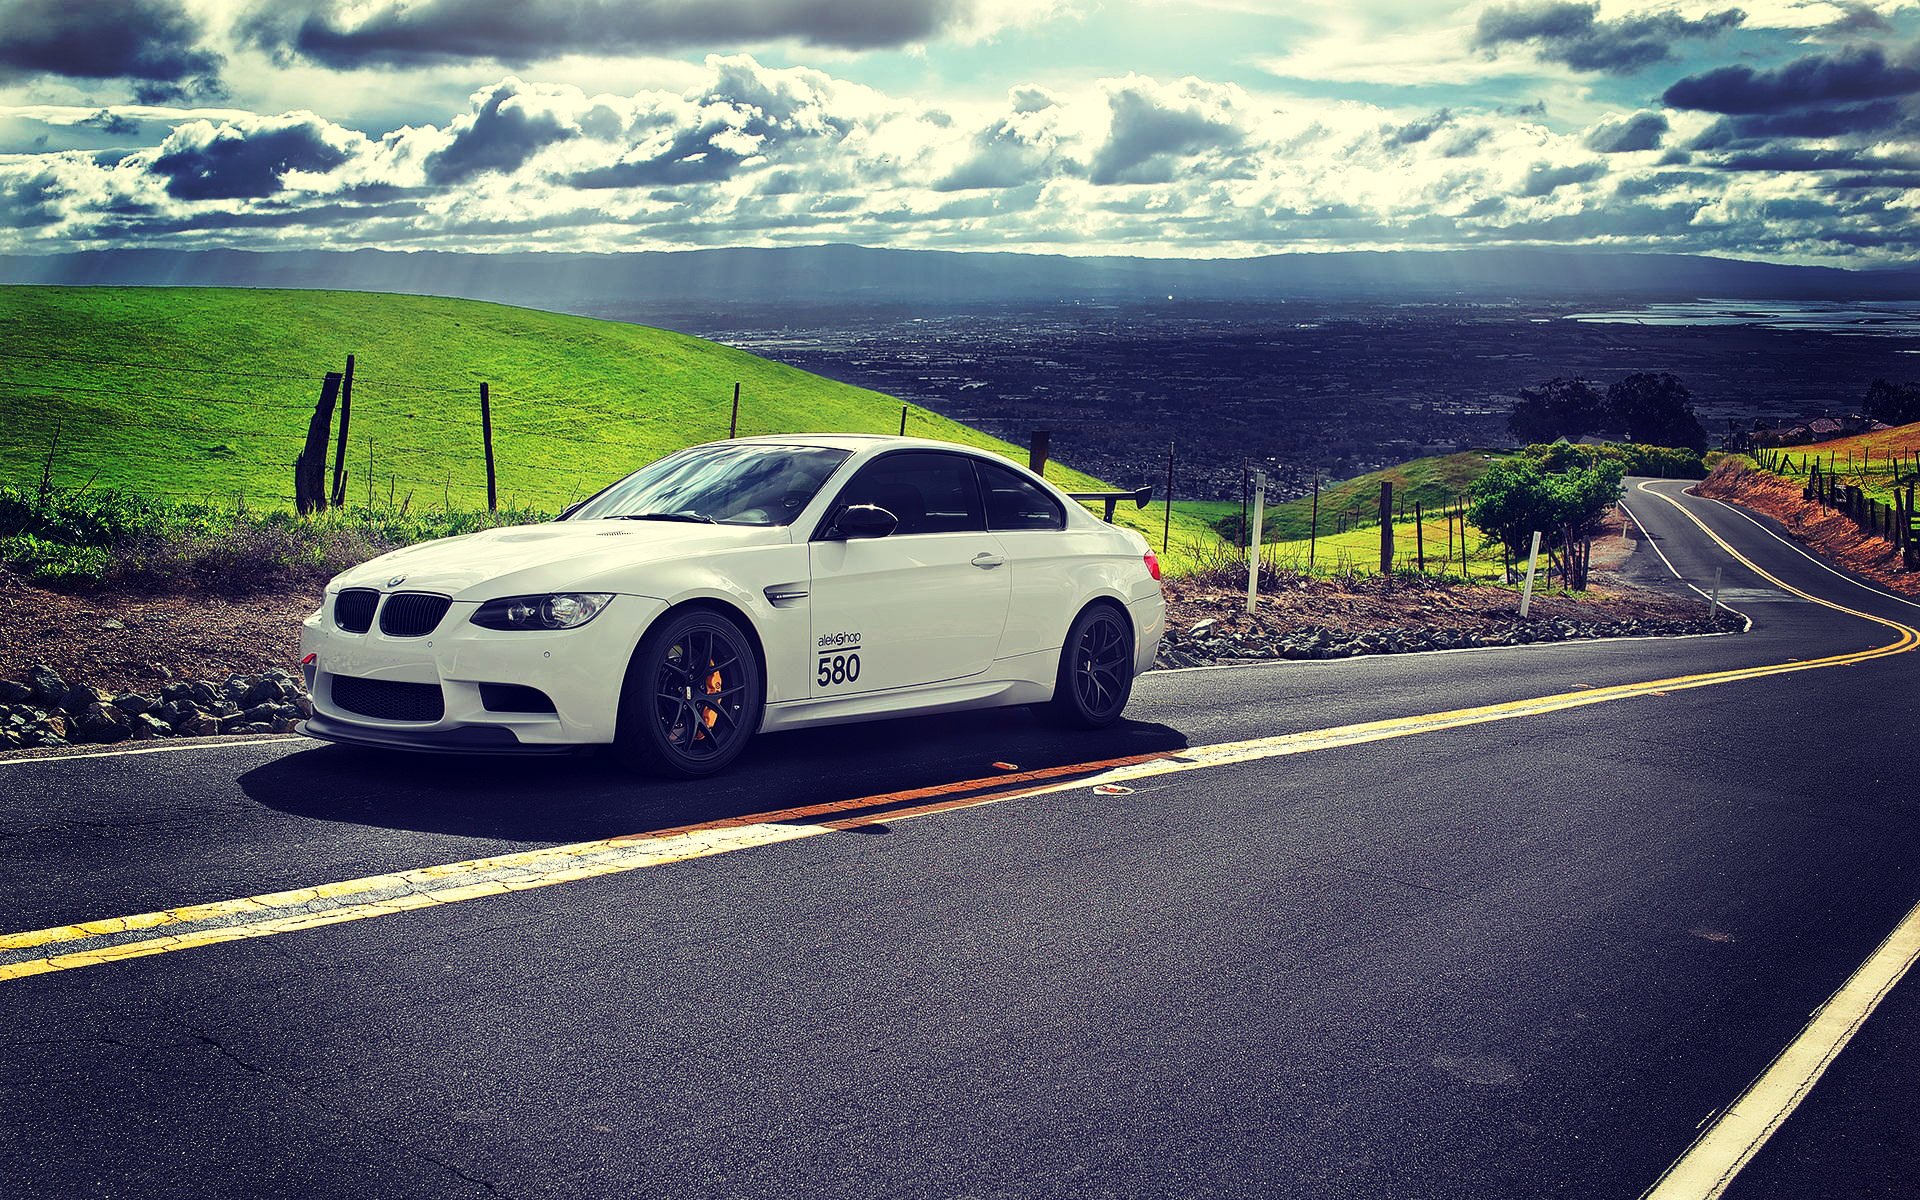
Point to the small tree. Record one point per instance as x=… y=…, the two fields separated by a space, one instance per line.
x=1558 y=408
x=1894 y=403
x=1657 y=409
x=1518 y=496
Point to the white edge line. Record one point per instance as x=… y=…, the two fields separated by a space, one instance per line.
x=191 y=745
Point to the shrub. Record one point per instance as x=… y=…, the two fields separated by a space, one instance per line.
x=85 y=538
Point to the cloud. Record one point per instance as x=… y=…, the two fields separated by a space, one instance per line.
x=1573 y=33
x=109 y=122
x=747 y=117
x=1641 y=131
x=250 y=158
x=154 y=43
x=408 y=32
x=1807 y=123
x=1421 y=129
x=1850 y=75
x=1152 y=126
x=748 y=154
x=1543 y=179
x=509 y=124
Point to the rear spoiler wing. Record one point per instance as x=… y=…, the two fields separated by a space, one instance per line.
x=1141 y=497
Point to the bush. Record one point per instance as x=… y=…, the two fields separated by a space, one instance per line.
x=85 y=538
x=1634 y=458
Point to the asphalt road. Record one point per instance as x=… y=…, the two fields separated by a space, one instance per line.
x=1528 y=956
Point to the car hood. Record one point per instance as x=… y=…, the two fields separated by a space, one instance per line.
x=559 y=555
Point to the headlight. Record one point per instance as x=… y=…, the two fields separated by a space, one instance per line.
x=562 y=610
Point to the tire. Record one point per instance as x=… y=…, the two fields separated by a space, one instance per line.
x=692 y=698
x=1096 y=669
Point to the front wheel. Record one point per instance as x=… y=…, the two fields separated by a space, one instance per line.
x=692 y=697
x=1096 y=669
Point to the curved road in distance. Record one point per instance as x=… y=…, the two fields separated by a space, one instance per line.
x=1530 y=955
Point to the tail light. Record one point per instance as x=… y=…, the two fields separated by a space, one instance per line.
x=1153 y=565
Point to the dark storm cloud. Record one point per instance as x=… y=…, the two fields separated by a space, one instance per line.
x=1641 y=131
x=246 y=159
x=1543 y=179
x=1860 y=18
x=689 y=158
x=109 y=122
x=1574 y=34
x=1814 y=123
x=521 y=31
x=501 y=134
x=1778 y=159
x=1852 y=75
x=1150 y=131
x=154 y=43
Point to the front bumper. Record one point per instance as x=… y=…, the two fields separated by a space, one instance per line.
x=580 y=670
x=470 y=739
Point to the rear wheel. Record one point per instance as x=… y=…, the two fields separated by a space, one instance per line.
x=1096 y=669
x=692 y=697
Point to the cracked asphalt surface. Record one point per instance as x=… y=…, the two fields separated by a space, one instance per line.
x=1527 y=958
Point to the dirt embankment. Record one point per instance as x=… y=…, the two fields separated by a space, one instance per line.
x=1299 y=617
x=1825 y=531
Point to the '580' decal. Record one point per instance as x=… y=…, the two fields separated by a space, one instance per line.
x=839 y=659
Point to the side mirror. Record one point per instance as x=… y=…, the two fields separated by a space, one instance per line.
x=864 y=521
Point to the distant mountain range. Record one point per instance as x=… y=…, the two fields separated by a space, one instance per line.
x=812 y=275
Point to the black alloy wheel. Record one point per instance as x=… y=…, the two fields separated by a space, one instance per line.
x=1096 y=669
x=692 y=697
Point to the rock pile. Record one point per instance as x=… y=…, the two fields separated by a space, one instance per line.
x=46 y=710
x=1207 y=642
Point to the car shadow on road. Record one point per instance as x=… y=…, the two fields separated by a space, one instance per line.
x=586 y=796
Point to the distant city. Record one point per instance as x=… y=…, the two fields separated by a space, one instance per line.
x=1309 y=387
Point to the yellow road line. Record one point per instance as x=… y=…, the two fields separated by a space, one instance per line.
x=94 y=943
x=1710 y=1164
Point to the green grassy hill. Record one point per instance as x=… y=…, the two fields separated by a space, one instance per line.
x=1431 y=482
x=205 y=393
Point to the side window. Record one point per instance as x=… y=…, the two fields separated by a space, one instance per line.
x=1015 y=503
x=929 y=492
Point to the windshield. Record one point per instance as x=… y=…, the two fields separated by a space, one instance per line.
x=729 y=485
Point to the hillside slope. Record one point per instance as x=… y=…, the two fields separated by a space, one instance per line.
x=205 y=393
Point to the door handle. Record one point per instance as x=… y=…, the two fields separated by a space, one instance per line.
x=986 y=561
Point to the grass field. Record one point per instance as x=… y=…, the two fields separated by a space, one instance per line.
x=1357 y=551
x=1870 y=461
x=205 y=394
x=1432 y=482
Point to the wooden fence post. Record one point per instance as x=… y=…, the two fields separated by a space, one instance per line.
x=1420 y=536
x=1037 y=451
x=486 y=444
x=1313 y=529
x=903 y=420
x=1386 y=527
x=340 y=453
x=1166 y=526
x=733 y=422
x=310 y=469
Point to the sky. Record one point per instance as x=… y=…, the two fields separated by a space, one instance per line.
x=1785 y=130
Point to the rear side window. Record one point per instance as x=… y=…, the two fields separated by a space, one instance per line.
x=927 y=491
x=1016 y=503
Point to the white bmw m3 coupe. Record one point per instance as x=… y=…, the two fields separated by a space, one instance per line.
x=763 y=583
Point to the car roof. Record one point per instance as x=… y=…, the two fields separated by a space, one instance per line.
x=855 y=442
